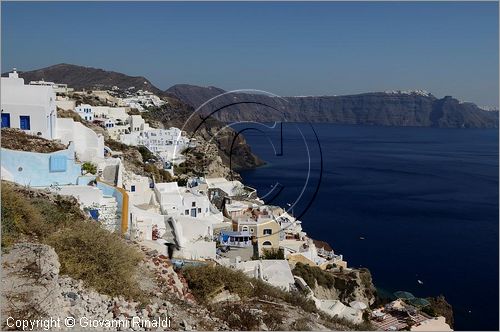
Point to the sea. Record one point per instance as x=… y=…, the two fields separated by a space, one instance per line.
x=416 y=206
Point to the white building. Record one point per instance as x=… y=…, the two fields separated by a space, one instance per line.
x=194 y=237
x=118 y=114
x=138 y=188
x=143 y=99
x=273 y=271
x=89 y=146
x=180 y=201
x=232 y=188
x=137 y=123
x=145 y=223
x=85 y=112
x=31 y=108
x=58 y=87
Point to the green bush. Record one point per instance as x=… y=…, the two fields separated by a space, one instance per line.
x=160 y=175
x=116 y=145
x=273 y=254
x=145 y=153
x=89 y=168
x=313 y=274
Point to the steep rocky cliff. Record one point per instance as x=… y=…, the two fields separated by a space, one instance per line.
x=388 y=109
x=339 y=284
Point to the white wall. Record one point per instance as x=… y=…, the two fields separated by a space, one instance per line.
x=89 y=145
x=86 y=195
x=37 y=102
x=85 y=111
x=142 y=223
x=142 y=194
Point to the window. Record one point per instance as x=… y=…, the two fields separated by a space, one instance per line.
x=199 y=210
x=5 y=120
x=57 y=163
x=244 y=229
x=132 y=188
x=24 y=122
x=193 y=204
x=186 y=212
x=251 y=230
x=267 y=243
x=268 y=231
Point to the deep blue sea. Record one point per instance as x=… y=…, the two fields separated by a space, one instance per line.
x=425 y=200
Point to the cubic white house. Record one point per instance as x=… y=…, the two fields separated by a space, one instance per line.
x=31 y=108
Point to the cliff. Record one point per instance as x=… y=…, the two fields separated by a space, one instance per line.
x=377 y=108
x=339 y=284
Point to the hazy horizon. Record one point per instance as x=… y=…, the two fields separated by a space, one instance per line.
x=290 y=49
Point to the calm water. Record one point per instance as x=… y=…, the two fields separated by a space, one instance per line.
x=424 y=199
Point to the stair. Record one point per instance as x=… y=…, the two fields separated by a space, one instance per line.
x=109 y=215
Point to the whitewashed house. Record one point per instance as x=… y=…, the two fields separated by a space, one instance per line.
x=181 y=201
x=138 y=188
x=89 y=146
x=31 y=108
x=114 y=119
x=137 y=123
x=85 y=112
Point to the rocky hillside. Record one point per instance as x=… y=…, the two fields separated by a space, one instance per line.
x=337 y=284
x=79 y=77
x=58 y=263
x=388 y=109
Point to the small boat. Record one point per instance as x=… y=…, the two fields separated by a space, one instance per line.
x=420 y=282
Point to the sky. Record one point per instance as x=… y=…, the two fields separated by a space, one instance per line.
x=287 y=48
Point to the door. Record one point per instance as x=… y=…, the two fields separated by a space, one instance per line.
x=5 y=120
x=193 y=212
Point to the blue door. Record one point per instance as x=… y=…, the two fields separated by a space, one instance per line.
x=24 y=122
x=5 y=120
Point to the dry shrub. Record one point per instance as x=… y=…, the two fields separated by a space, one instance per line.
x=206 y=282
x=103 y=260
x=240 y=318
x=16 y=214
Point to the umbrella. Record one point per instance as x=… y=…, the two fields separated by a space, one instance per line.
x=358 y=305
x=418 y=302
x=404 y=295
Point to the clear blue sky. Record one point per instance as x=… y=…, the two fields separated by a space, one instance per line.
x=285 y=48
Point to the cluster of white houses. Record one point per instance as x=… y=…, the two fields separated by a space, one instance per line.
x=203 y=218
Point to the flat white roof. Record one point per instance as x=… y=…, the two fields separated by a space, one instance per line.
x=166 y=187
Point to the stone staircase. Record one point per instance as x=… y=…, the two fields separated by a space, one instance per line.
x=109 y=215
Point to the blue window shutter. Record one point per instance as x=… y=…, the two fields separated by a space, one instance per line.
x=5 y=120
x=58 y=163
x=132 y=188
x=24 y=121
x=94 y=213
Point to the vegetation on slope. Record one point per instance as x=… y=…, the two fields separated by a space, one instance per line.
x=313 y=276
x=103 y=260
x=205 y=282
x=16 y=139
